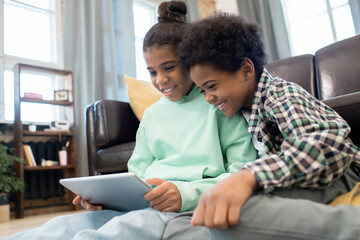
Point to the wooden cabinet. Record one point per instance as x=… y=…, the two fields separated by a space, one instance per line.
x=62 y=109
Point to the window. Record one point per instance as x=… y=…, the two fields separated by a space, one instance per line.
x=315 y=24
x=28 y=29
x=30 y=32
x=144 y=18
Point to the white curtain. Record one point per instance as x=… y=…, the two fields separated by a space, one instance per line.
x=269 y=15
x=355 y=12
x=99 y=49
x=193 y=11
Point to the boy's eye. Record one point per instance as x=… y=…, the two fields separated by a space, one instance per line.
x=202 y=91
x=212 y=86
x=153 y=73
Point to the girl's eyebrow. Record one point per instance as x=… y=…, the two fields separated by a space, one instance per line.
x=162 y=64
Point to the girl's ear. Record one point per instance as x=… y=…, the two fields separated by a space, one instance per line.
x=248 y=69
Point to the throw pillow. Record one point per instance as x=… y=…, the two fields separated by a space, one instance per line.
x=142 y=95
x=350 y=198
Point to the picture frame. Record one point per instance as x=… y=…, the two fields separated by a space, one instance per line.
x=61 y=95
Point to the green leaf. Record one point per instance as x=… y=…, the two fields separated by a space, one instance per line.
x=9 y=182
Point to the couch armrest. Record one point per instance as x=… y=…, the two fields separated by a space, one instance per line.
x=90 y=137
x=115 y=123
x=348 y=106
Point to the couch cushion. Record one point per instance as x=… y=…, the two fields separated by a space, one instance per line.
x=348 y=106
x=141 y=95
x=338 y=68
x=115 y=158
x=298 y=69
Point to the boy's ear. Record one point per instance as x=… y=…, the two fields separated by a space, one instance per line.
x=248 y=69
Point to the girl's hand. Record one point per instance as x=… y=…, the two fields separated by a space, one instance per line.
x=165 y=197
x=86 y=204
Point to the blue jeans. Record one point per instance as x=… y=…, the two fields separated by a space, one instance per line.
x=106 y=224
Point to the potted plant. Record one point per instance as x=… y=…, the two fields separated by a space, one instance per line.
x=9 y=182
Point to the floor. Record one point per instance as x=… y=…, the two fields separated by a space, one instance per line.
x=17 y=225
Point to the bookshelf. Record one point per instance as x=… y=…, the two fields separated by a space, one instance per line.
x=62 y=81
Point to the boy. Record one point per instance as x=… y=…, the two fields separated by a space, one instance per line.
x=302 y=144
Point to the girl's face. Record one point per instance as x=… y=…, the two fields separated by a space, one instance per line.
x=166 y=75
x=229 y=92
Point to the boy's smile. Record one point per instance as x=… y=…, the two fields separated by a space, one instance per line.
x=166 y=75
x=229 y=92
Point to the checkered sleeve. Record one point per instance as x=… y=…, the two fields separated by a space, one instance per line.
x=315 y=149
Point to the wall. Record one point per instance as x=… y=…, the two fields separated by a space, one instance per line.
x=229 y=6
x=206 y=8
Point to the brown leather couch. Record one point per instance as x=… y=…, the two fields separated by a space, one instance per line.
x=110 y=131
x=332 y=75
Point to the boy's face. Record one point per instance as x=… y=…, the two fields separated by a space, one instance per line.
x=166 y=75
x=229 y=92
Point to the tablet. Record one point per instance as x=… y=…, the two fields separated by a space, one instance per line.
x=120 y=191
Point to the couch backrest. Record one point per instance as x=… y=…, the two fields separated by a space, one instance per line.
x=338 y=68
x=119 y=117
x=298 y=69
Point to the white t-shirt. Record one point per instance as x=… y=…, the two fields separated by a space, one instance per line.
x=259 y=146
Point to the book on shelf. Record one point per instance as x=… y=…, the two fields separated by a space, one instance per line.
x=29 y=156
x=33 y=95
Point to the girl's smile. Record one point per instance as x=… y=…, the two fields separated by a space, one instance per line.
x=166 y=75
x=168 y=91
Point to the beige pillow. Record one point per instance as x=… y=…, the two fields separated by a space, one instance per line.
x=142 y=95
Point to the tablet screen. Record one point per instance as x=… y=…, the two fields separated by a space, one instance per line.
x=120 y=191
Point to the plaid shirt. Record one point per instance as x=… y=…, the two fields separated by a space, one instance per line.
x=306 y=141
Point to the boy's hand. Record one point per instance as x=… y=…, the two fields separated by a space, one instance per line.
x=165 y=197
x=220 y=206
x=86 y=204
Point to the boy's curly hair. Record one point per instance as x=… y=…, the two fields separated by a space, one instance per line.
x=223 y=40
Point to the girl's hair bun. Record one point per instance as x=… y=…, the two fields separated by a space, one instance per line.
x=174 y=11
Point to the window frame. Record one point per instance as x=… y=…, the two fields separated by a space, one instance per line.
x=329 y=12
x=7 y=62
x=150 y=4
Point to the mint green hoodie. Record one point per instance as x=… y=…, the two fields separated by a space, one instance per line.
x=191 y=144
